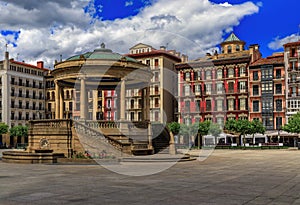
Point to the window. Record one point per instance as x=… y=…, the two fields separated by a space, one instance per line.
x=156 y=76
x=220 y=87
x=278 y=73
x=187 y=90
x=230 y=104
x=132 y=104
x=197 y=89
x=278 y=89
x=256 y=106
x=108 y=117
x=278 y=122
x=108 y=103
x=156 y=101
x=242 y=71
x=237 y=48
x=208 y=74
x=255 y=90
x=20 y=104
x=230 y=72
x=199 y=74
x=255 y=75
x=220 y=121
x=208 y=105
x=231 y=87
x=187 y=106
x=156 y=63
x=220 y=105
x=198 y=105
x=20 y=92
x=70 y=106
x=229 y=49
x=148 y=62
x=187 y=76
x=219 y=74
x=156 y=116
x=279 y=105
x=242 y=104
x=242 y=86
x=208 y=89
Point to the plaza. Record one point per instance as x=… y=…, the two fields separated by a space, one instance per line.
x=225 y=177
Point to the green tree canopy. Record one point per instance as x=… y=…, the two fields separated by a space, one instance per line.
x=214 y=129
x=3 y=128
x=174 y=127
x=19 y=131
x=256 y=126
x=230 y=125
x=293 y=125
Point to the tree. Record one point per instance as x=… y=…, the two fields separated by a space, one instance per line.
x=174 y=127
x=205 y=128
x=230 y=126
x=293 y=125
x=19 y=131
x=214 y=130
x=256 y=126
x=3 y=128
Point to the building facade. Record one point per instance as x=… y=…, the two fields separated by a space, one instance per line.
x=163 y=86
x=292 y=70
x=215 y=87
x=22 y=93
x=267 y=100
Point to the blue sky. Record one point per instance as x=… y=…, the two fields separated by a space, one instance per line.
x=43 y=30
x=275 y=19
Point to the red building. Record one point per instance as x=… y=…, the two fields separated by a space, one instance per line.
x=267 y=100
x=215 y=87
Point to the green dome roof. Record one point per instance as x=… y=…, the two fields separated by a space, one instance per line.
x=102 y=54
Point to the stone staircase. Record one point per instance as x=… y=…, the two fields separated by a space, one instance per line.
x=129 y=141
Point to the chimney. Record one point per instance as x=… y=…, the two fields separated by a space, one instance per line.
x=184 y=58
x=254 y=52
x=40 y=64
x=163 y=48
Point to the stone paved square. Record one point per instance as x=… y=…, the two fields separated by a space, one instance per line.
x=226 y=177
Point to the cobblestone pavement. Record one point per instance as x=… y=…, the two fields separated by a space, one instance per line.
x=226 y=177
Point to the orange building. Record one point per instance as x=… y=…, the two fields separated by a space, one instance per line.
x=267 y=91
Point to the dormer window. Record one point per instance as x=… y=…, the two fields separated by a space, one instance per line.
x=237 y=48
x=229 y=49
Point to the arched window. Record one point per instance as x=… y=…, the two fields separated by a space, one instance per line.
x=229 y=49
x=219 y=74
x=230 y=72
x=208 y=74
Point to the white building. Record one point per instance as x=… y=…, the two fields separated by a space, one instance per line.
x=22 y=95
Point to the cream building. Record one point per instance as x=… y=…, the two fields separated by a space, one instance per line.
x=163 y=83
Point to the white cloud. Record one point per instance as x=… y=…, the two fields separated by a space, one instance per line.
x=278 y=42
x=128 y=3
x=194 y=27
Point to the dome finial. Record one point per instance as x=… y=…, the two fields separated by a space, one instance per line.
x=102 y=45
